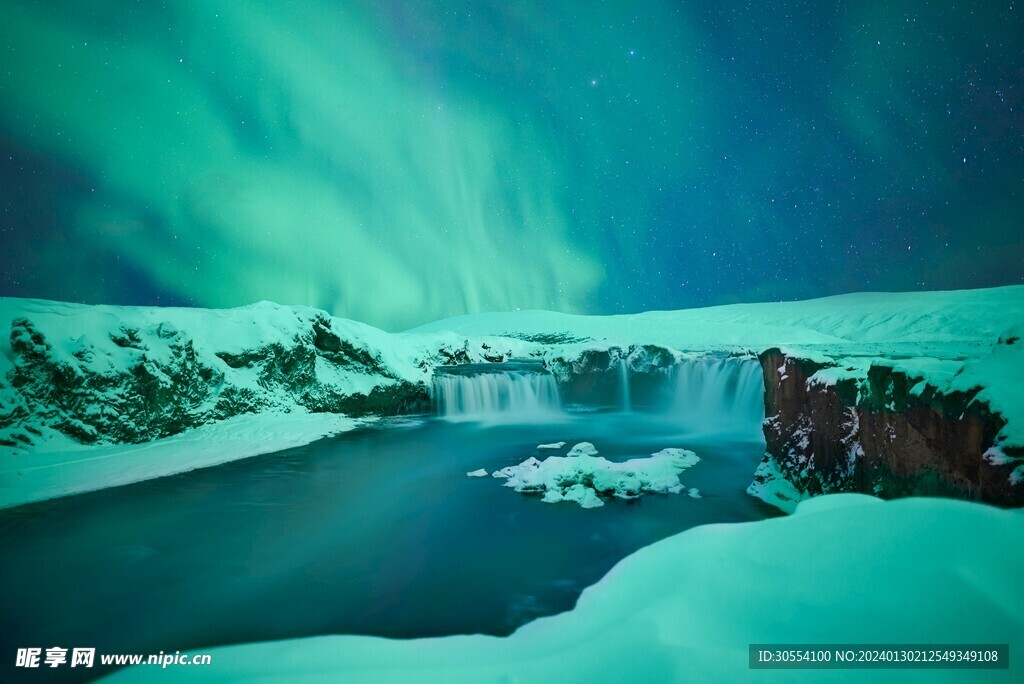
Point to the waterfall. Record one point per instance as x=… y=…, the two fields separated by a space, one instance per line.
x=508 y=396
x=624 y=401
x=720 y=395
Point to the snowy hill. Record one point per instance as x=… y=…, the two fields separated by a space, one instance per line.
x=106 y=374
x=958 y=317
x=76 y=377
x=124 y=374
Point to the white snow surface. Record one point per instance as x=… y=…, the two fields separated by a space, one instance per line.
x=947 y=338
x=685 y=609
x=61 y=467
x=582 y=476
x=955 y=316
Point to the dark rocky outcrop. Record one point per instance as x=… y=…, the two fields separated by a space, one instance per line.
x=159 y=385
x=874 y=435
x=593 y=376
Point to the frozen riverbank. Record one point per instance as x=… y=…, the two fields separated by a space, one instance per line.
x=62 y=467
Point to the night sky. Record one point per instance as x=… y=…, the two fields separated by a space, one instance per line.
x=396 y=162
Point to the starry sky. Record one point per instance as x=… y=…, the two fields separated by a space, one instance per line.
x=397 y=162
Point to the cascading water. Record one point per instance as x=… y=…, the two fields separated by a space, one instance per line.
x=719 y=395
x=483 y=393
x=624 y=399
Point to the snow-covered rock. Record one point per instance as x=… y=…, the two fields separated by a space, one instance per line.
x=110 y=374
x=583 y=449
x=578 y=493
x=582 y=476
x=893 y=427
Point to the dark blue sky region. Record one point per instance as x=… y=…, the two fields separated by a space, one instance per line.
x=397 y=162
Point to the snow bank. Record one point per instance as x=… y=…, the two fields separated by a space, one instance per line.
x=61 y=467
x=685 y=609
x=999 y=377
x=581 y=476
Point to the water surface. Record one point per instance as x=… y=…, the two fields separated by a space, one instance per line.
x=377 y=531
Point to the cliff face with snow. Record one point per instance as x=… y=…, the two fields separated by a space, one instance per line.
x=103 y=375
x=158 y=383
x=883 y=431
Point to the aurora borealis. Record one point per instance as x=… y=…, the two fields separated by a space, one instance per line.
x=397 y=162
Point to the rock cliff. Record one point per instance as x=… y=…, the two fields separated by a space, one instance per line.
x=106 y=375
x=886 y=432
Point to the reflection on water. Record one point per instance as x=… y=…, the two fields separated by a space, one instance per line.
x=373 y=532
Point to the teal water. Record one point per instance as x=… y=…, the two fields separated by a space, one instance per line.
x=377 y=531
